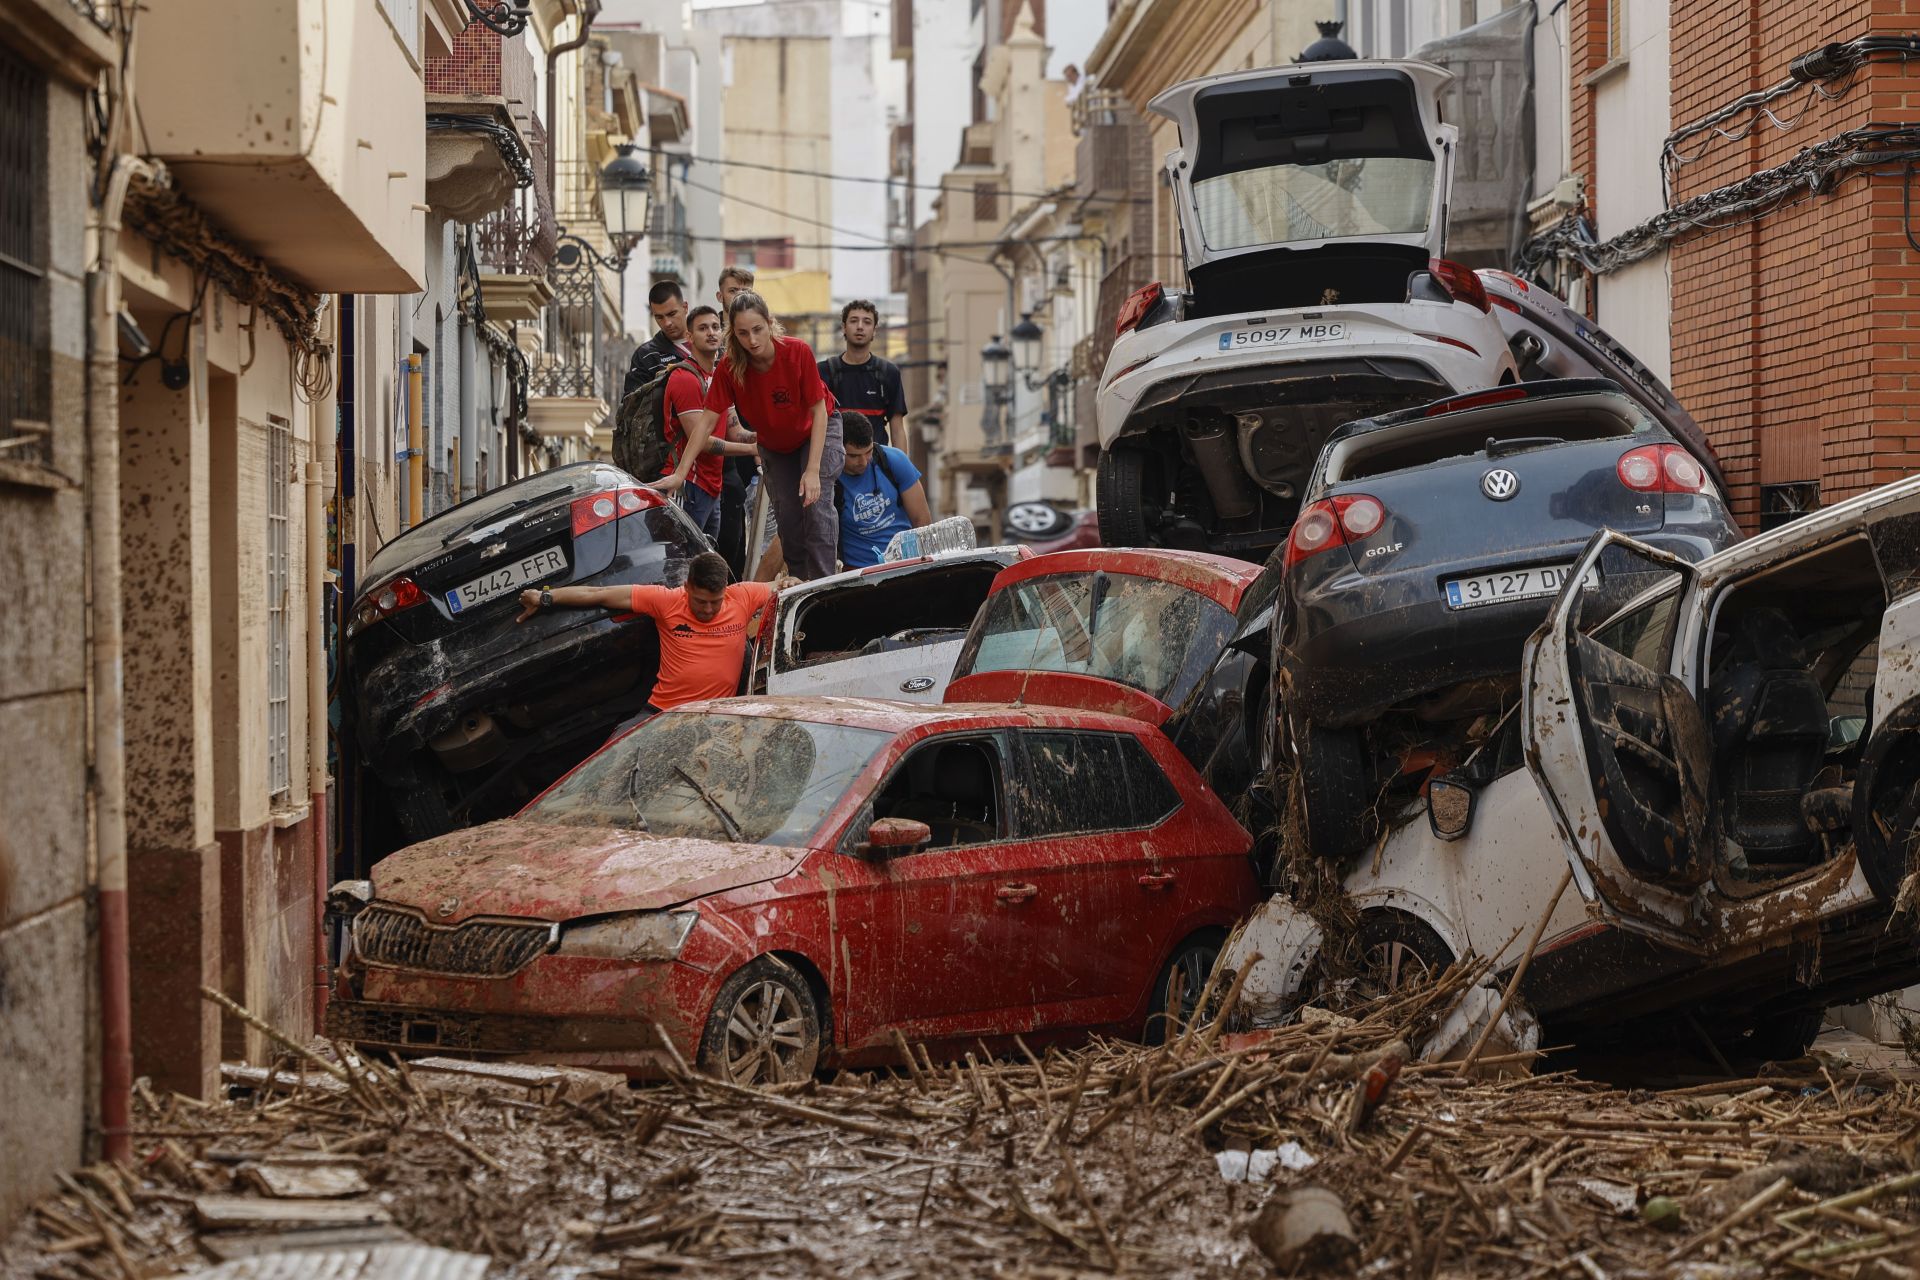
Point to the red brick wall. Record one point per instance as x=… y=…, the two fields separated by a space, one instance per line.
x=1790 y=335
x=474 y=67
x=1586 y=53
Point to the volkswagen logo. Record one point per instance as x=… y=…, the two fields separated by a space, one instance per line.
x=919 y=684
x=1500 y=484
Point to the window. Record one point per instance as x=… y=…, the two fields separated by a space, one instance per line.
x=279 y=719
x=1616 y=30
x=1074 y=783
x=1151 y=796
x=1358 y=196
x=952 y=785
x=986 y=202
x=24 y=420
x=772 y=251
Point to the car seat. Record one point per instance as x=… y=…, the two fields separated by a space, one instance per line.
x=1770 y=727
x=952 y=791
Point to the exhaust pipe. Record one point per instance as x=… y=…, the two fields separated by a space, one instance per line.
x=1219 y=462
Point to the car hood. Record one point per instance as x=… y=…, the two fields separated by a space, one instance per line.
x=549 y=871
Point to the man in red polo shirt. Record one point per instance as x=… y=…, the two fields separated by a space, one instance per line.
x=697 y=468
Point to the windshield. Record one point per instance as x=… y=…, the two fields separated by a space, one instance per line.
x=715 y=777
x=1154 y=636
x=430 y=537
x=1357 y=197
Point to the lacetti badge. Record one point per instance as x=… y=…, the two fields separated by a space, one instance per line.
x=1500 y=484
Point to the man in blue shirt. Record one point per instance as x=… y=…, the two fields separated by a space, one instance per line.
x=880 y=494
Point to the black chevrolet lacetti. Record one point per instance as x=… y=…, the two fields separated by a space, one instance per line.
x=460 y=714
x=1429 y=544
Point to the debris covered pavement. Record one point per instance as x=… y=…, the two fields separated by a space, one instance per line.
x=1308 y=1148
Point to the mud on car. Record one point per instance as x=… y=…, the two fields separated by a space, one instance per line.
x=1312 y=203
x=1726 y=769
x=457 y=712
x=769 y=885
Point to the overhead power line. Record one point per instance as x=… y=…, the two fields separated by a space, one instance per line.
x=961 y=188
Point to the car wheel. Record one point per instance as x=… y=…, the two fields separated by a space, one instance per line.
x=1336 y=791
x=1037 y=520
x=1180 y=984
x=1785 y=1036
x=1397 y=951
x=419 y=805
x=1131 y=497
x=764 y=1028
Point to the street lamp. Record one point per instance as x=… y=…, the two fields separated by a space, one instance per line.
x=626 y=191
x=996 y=371
x=507 y=19
x=1027 y=337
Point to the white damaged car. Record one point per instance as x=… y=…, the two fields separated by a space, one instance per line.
x=1312 y=203
x=1704 y=806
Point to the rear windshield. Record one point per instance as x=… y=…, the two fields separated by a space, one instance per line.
x=1419 y=444
x=1360 y=197
x=715 y=777
x=1153 y=636
x=430 y=537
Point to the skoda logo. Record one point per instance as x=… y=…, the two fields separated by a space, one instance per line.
x=919 y=684
x=1500 y=484
x=447 y=907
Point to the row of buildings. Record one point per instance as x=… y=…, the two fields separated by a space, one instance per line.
x=277 y=281
x=1605 y=153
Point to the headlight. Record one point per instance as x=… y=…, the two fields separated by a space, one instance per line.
x=638 y=935
x=347 y=897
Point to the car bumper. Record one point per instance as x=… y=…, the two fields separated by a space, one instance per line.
x=1361 y=643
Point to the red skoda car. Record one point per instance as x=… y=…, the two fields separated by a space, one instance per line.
x=777 y=884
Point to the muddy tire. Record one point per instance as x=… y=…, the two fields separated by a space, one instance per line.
x=1131 y=496
x=764 y=1028
x=1180 y=983
x=1336 y=791
x=1785 y=1036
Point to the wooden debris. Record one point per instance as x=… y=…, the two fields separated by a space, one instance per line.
x=1307 y=1228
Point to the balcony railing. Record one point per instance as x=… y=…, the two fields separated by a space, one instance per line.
x=1126 y=275
x=1111 y=147
x=519 y=239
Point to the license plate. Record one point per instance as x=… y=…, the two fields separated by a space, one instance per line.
x=507 y=577
x=1282 y=335
x=1511 y=584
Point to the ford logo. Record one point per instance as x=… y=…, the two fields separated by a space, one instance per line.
x=919 y=684
x=1500 y=484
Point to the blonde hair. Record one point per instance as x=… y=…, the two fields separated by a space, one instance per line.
x=743 y=274
x=737 y=358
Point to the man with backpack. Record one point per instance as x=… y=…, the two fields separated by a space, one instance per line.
x=698 y=457
x=863 y=383
x=667 y=304
x=879 y=495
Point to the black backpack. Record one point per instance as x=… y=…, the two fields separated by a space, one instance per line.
x=640 y=445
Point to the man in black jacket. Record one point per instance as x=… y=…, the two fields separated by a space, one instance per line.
x=668 y=306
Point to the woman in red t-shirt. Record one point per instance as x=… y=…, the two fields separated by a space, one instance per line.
x=775 y=382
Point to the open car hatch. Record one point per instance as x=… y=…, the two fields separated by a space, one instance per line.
x=1327 y=156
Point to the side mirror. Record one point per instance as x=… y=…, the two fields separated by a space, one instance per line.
x=1449 y=808
x=888 y=835
x=1844 y=731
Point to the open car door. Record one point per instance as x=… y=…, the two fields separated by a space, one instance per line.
x=1617 y=743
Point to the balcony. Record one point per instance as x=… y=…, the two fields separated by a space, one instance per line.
x=1111 y=145
x=295 y=148
x=479 y=141
x=575 y=376
x=515 y=246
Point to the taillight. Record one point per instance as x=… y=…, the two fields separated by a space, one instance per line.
x=1460 y=282
x=597 y=509
x=1473 y=400
x=397 y=595
x=1661 y=468
x=1135 y=308
x=1333 y=522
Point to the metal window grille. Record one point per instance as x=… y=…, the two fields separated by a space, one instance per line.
x=279 y=717
x=24 y=425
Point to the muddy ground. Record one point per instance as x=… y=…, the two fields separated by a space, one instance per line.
x=1105 y=1160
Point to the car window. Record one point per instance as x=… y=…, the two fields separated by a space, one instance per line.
x=1151 y=795
x=428 y=538
x=1153 y=636
x=1073 y=783
x=738 y=778
x=1359 y=196
x=956 y=785
x=1643 y=631
x=1469 y=434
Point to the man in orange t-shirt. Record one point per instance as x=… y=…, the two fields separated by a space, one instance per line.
x=703 y=626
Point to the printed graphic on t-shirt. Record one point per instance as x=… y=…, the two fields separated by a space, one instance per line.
x=871 y=511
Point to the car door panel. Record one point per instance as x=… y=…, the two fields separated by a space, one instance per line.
x=1611 y=741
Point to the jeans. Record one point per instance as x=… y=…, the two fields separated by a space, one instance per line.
x=809 y=536
x=702 y=508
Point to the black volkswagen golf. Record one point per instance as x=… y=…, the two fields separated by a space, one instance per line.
x=460 y=714
x=1429 y=544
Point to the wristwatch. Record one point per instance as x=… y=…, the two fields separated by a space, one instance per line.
x=546 y=597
